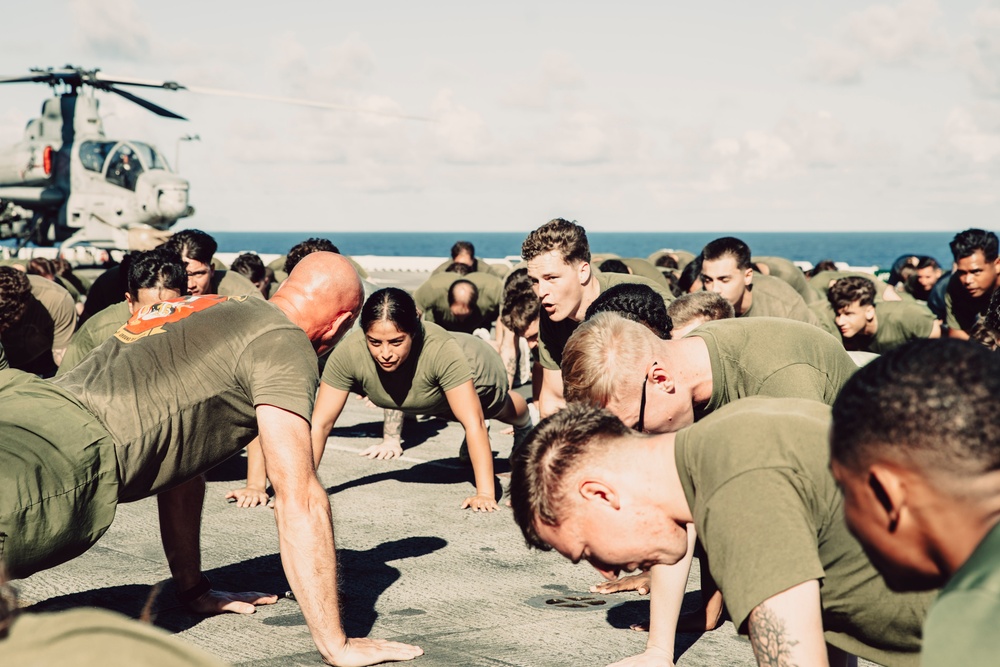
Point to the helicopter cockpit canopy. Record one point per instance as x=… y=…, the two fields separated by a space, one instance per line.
x=127 y=160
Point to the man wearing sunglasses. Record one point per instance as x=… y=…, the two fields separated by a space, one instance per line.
x=660 y=386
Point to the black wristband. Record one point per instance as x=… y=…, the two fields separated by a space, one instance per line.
x=195 y=592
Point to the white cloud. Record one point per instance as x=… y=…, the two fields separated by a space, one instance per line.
x=556 y=73
x=332 y=72
x=979 y=54
x=971 y=138
x=111 y=28
x=460 y=133
x=879 y=35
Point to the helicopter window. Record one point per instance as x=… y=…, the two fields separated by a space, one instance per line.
x=94 y=153
x=124 y=168
x=150 y=157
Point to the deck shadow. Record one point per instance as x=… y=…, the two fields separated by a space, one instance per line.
x=362 y=577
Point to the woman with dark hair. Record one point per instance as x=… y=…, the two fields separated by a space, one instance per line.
x=403 y=363
x=636 y=302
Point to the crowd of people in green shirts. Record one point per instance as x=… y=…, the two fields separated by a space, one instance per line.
x=681 y=406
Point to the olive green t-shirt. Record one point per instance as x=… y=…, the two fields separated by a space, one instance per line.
x=552 y=336
x=962 y=310
x=900 y=322
x=961 y=628
x=432 y=299
x=785 y=269
x=773 y=297
x=177 y=385
x=823 y=311
x=438 y=362
x=769 y=356
x=769 y=516
x=821 y=282
x=96 y=638
x=47 y=324
x=646 y=269
x=94 y=331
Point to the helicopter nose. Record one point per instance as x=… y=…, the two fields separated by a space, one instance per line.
x=171 y=202
x=163 y=196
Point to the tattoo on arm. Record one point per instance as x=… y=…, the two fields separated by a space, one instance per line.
x=771 y=644
x=392 y=424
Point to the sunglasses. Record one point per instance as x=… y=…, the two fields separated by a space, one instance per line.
x=640 y=425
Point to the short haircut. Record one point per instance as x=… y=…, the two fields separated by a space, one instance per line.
x=550 y=454
x=846 y=291
x=666 y=261
x=689 y=275
x=520 y=303
x=15 y=291
x=728 y=246
x=568 y=238
x=927 y=263
x=637 y=302
x=459 y=268
x=250 y=265
x=614 y=266
x=968 y=242
x=468 y=284
x=603 y=359
x=41 y=266
x=928 y=405
x=307 y=247
x=699 y=305
x=393 y=305
x=821 y=266
x=193 y=244
x=157 y=268
x=463 y=247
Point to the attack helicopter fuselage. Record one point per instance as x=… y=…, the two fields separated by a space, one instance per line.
x=67 y=182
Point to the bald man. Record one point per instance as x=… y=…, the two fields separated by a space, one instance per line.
x=182 y=386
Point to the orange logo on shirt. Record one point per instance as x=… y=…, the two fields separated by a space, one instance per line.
x=150 y=320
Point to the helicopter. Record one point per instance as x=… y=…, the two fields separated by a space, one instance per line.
x=67 y=182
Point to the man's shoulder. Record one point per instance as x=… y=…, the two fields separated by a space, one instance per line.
x=114 y=316
x=48 y=292
x=234 y=283
x=609 y=280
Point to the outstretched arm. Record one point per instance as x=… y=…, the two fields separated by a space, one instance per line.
x=787 y=629
x=255 y=492
x=330 y=403
x=550 y=398
x=180 y=531
x=465 y=405
x=305 y=535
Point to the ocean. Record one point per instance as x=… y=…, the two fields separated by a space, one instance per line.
x=857 y=249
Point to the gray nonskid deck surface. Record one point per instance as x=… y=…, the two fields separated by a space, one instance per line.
x=412 y=567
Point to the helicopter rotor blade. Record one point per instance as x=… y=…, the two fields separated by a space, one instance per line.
x=35 y=78
x=145 y=83
x=145 y=104
x=304 y=103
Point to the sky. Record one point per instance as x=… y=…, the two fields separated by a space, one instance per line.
x=776 y=115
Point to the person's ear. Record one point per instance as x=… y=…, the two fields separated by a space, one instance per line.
x=584 y=272
x=889 y=491
x=661 y=378
x=748 y=277
x=869 y=313
x=601 y=493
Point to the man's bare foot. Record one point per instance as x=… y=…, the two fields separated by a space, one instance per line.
x=636 y=582
x=383 y=451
